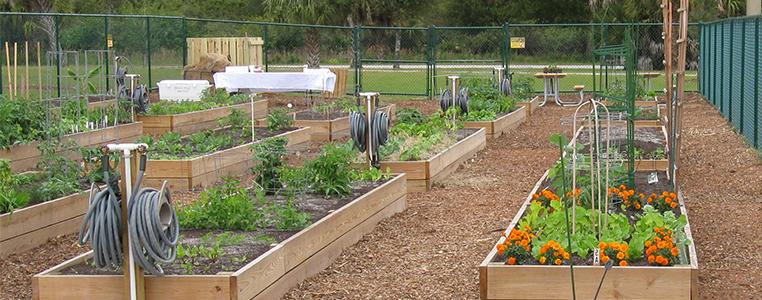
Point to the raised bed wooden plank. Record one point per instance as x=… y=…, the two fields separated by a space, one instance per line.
x=267 y=277
x=502 y=124
x=531 y=105
x=191 y=122
x=26 y=156
x=500 y=281
x=423 y=173
x=184 y=174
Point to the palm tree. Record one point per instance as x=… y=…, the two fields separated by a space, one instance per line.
x=305 y=12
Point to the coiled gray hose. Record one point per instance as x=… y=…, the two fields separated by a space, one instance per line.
x=379 y=134
x=461 y=100
x=140 y=99
x=152 y=225
x=102 y=223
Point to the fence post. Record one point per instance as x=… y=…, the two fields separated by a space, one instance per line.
x=730 y=75
x=266 y=46
x=722 y=68
x=148 y=48
x=431 y=59
x=506 y=46
x=184 y=31
x=108 y=50
x=756 y=87
x=56 y=52
x=357 y=57
x=743 y=74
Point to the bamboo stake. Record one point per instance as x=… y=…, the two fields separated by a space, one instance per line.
x=39 y=71
x=8 y=67
x=15 y=69
x=26 y=69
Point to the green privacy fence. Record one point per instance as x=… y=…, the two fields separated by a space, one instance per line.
x=392 y=60
x=730 y=72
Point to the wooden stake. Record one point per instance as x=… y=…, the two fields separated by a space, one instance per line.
x=26 y=69
x=39 y=70
x=15 y=69
x=8 y=67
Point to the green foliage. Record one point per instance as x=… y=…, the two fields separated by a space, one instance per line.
x=278 y=119
x=291 y=219
x=522 y=88
x=268 y=156
x=485 y=102
x=372 y=174
x=227 y=207
x=652 y=218
x=209 y=99
x=63 y=173
x=409 y=116
x=10 y=197
x=330 y=173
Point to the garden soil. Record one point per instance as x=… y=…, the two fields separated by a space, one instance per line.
x=432 y=250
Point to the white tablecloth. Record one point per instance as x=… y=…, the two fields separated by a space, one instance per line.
x=276 y=81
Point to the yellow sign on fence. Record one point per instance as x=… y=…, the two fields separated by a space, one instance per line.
x=518 y=42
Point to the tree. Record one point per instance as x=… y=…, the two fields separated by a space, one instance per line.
x=305 y=12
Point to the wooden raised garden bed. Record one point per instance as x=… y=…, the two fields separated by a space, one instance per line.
x=184 y=174
x=421 y=174
x=532 y=105
x=500 y=281
x=32 y=226
x=25 y=156
x=269 y=276
x=647 y=164
x=198 y=120
x=331 y=129
x=502 y=124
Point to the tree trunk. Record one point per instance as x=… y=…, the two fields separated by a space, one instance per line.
x=312 y=46
x=397 y=46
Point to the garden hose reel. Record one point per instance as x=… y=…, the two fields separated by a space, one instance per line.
x=369 y=133
x=502 y=81
x=128 y=86
x=452 y=96
x=152 y=230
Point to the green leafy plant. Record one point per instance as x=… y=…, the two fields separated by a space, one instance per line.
x=84 y=80
x=209 y=99
x=227 y=207
x=288 y=218
x=330 y=173
x=268 y=157
x=278 y=119
x=10 y=197
x=485 y=101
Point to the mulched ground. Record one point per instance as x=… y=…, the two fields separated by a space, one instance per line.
x=432 y=249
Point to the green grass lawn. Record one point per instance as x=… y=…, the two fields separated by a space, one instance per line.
x=407 y=82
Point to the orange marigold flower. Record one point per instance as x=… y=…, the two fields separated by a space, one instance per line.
x=623 y=263
x=604 y=259
x=511 y=260
x=566 y=255
x=651 y=259
x=650 y=200
x=673 y=205
x=620 y=255
x=673 y=251
x=557 y=261
x=543 y=260
x=500 y=249
x=648 y=244
x=602 y=245
x=661 y=245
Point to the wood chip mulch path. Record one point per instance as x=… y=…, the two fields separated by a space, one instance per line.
x=431 y=250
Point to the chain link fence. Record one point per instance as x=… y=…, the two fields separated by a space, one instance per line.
x=410 y=61
x=730 y=72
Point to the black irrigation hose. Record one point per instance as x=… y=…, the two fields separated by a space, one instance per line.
x=461 y=101
x=505 y=87
x=139 y=99
x=101 y=225
x=152 y=225
x=379 y=134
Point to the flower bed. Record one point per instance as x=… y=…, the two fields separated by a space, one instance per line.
x=242 y=264
x=502 y=124
x=24 y=157
x=189 y=122
x=644 y=237
x=206 y=169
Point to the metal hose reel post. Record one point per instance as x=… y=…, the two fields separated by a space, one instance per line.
x=144 y=218
x=454 y=96
x=137 y=93
x=369 y=129
x=501 y=81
